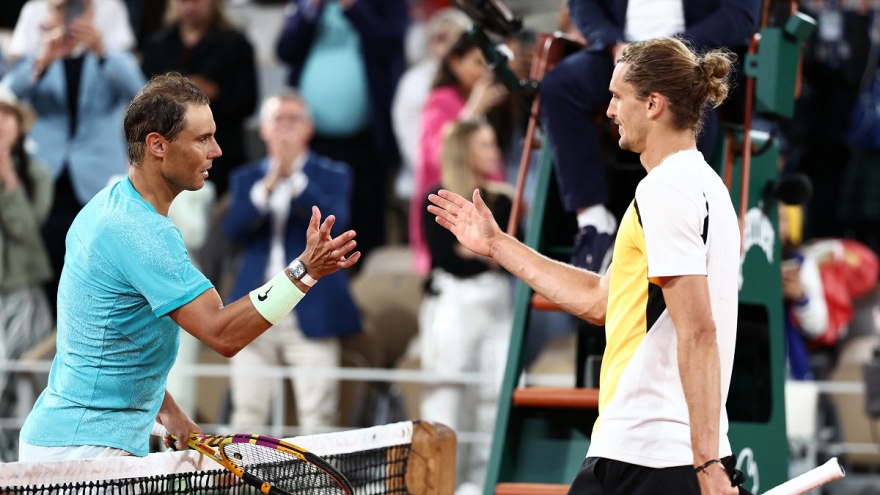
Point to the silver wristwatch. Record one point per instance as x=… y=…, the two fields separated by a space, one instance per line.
x=297 y=271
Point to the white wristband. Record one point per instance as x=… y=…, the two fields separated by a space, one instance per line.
x=276 y=298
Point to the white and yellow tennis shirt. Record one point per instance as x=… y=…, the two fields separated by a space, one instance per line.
x=682 y=222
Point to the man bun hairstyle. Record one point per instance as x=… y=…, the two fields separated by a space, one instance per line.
x=716 y=67
x=160 y=106
x=689 y=82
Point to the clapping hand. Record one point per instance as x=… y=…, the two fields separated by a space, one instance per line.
x=83 y=31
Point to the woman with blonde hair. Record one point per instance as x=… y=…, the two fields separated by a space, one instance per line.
x=466 y=315
x=463 y=88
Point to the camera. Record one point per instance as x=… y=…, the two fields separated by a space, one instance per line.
x=72 y=10
x=494 y=16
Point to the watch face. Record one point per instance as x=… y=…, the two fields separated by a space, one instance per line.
x=297 y=269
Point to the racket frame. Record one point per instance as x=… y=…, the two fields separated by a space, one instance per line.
x=212 y=446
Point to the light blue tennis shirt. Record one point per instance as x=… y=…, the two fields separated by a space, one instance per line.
x=125 y=269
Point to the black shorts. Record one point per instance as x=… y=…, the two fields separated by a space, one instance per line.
x=600 y=476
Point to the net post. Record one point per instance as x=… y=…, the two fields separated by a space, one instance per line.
x=431 y=469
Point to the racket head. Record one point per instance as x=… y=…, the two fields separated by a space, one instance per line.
x=269 y=463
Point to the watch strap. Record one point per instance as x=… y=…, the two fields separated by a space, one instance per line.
x=305 y=278
x=308 y=280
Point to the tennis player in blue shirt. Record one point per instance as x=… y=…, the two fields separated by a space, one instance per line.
x=128 y=284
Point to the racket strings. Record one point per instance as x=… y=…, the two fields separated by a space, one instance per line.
x=281 y=469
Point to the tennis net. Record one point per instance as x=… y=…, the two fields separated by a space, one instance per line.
x=415 y=457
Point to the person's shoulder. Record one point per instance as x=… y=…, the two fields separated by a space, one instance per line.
x=232 y=35
x=502 y=191
x=38 y=169
x=162 y=36
x=419 y=73
x=443 y=94
x=33 y=8
x=114 y=6
x=329 y=164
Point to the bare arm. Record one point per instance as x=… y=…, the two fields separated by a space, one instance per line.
x=687 y=299
x=581 y=293
x=227 y=329
x=177 y=422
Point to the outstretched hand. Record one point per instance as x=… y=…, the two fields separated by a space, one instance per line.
x=471 y=222
x=325 y=254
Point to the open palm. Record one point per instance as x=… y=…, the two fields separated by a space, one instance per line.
x=471 y=222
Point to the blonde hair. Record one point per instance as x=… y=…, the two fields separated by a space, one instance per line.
x=457 y=169
x=689 y=82
x=458 y=172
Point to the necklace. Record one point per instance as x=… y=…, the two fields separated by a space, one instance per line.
x=667 y=156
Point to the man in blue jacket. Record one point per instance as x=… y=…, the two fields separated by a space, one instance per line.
x=577 y=88
x=345 y=58
x=268 y=216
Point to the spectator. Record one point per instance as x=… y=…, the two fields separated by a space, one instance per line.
x=345 y=57
x=202 y=44
x=463 y=88
x=466 y=316
x=577 y=89
x=25 y=200
x=444 y=27
x=565 y=26
x=110 y=19
x=418 y=33
x=839 y=59
x=79 y=88
x=268 y=216
x=806 y=315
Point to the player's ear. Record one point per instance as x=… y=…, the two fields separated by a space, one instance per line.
x=156 y=145
x=654 y=104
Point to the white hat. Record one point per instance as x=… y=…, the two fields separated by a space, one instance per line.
x=9 y=100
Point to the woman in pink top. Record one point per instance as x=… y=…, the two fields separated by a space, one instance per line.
x=463 y=88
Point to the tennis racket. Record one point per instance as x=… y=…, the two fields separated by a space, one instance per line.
x=273 y=466
x=826 y=473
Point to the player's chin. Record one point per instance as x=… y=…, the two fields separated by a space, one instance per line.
x=200 y=179
x=196 y=184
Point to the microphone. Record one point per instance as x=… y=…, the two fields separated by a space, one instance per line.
x=793 y=189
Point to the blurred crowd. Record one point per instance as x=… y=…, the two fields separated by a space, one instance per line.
x=387 y=101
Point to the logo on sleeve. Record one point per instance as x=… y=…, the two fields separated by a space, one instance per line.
x=265 y=295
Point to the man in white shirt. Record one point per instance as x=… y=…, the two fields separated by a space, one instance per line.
x=669 y=299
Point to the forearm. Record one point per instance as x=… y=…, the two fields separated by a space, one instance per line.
x=168 y=408
x=577 y=291
x=177 y=422
x=700 y=368
x=228 y=329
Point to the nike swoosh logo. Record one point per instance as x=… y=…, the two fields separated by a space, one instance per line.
x=265 y=295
